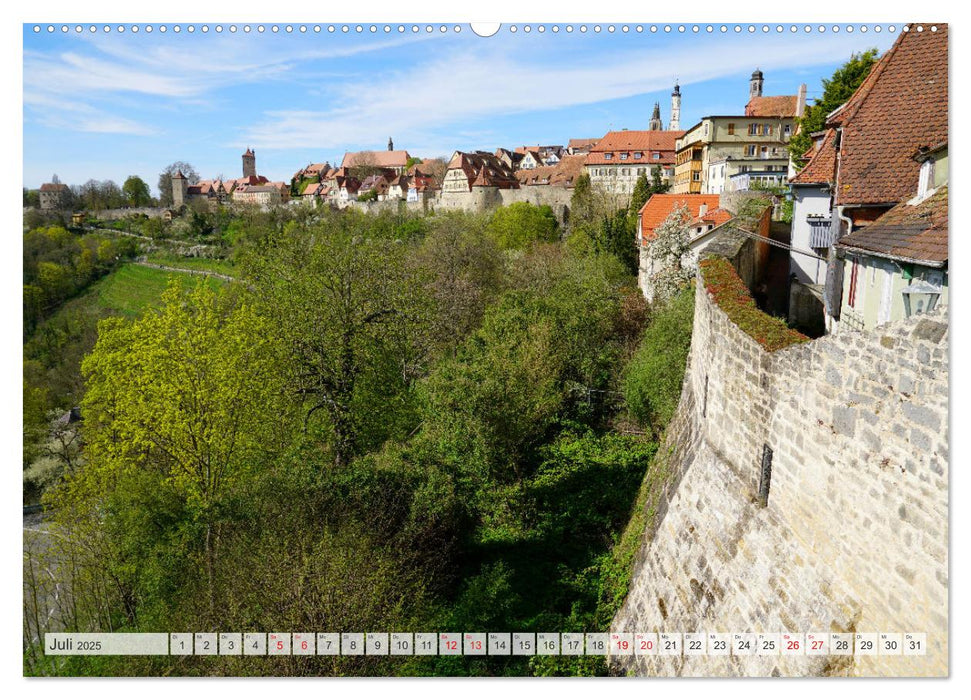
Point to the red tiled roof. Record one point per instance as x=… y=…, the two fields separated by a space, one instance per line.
x=821 y=167
x=379 y=159
x=582 y=143
x=563 y=174
x=909 y=232
x=659 y=207
x=52 y=187
x=633 y=142
x=902 y=106
x=772 y=106
x=484 y=169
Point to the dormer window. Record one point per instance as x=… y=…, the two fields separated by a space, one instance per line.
x=623 y=156
x=637 y=155
x=926 y=182
x=608 y=156
x=657 y=156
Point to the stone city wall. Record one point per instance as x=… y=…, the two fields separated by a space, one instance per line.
x=854 y=535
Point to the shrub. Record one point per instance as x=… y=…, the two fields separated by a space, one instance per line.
x=652 y=382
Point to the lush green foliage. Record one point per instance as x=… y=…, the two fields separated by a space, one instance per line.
x=385 y=422
x=136 y=192
x=58 y=264
x=652 y=381
x=521 y=224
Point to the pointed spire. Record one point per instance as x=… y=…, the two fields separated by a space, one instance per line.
x=390 y=144
x=655 y=124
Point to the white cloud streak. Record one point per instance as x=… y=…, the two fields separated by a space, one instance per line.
x=458 y=89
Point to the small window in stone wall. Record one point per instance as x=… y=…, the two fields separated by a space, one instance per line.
x=766 y=475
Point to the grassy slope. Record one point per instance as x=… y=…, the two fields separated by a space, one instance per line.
x=223 y=267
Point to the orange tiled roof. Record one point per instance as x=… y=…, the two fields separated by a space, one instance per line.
x=902 y=106
x=633 y=142
x=659 y=207
x=772 y=106
x=379 y=159
x=821 y=167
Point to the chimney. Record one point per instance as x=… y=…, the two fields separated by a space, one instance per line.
x=703 y=209
x=801 y=100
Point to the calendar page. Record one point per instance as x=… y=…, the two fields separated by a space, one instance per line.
x=446 y=349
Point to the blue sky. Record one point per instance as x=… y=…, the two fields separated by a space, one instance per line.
x=105 y=106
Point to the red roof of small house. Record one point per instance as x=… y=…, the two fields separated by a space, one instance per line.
x=901 y=107
x=484 y=169
x=659 y=207
x=909 y=232
x=646 y=143
x=53 y=187
x=773 y=106
x=378 y=159
x=582 y=143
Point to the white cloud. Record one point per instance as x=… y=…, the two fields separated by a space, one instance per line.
x=464 y=86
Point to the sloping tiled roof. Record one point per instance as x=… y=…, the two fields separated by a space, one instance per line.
x=484 y=169
x=908 y=232
x=902 y=106
x=772 y=106
x=52 y=187
x=563 y=174
x=379 y=159
x=821 y=167
x=582 y=143
x=633 y=142
x=659 y=207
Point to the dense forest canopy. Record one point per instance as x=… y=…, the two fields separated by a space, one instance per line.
x=375 y=422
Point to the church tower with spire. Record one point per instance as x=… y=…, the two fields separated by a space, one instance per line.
x=656 y=124
x=390 y=144
x=675 y=124
x=755 y=84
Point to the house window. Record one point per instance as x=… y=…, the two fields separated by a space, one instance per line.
x=753 y=129
x=623 y=156
x=638 y=154
x=656 y=156
x=926 y=182
x=731 y=129
x=608 y=156
x=696 y=176
x=787 y=129
x=751 y=150
x=854 y=274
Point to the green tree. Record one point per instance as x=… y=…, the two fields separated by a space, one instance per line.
x=31 y=198
x=652 y=379
x=521 y=224
x=350 y=312
x=188 y=401
x=836 y=90
x=136 y=191
x=641 y=193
